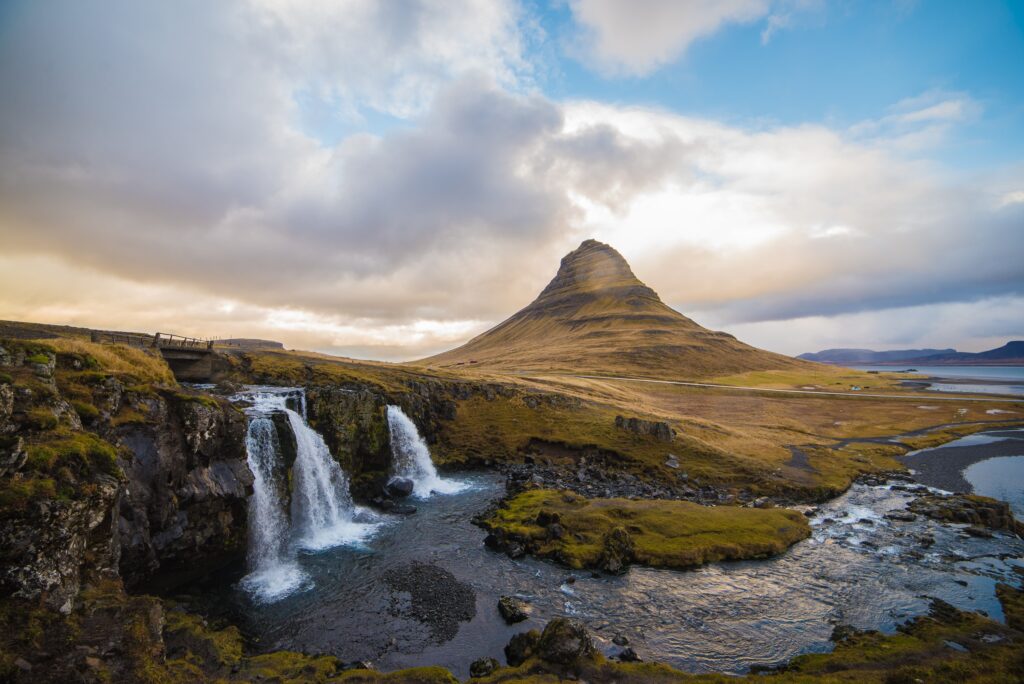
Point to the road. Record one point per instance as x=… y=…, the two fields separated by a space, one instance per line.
x=708 y=385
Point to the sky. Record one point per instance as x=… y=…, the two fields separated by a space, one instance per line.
x=387 y=179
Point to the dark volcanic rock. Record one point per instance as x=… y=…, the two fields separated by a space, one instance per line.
x=968 y=509
x=521 y=646
x=513 y=610
x=481 y=667
x=184 y=512
x=399 y=487
x=618 y=551
x=438 y=599
x=565 y=642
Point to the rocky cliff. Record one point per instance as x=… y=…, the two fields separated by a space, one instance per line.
x=105 y=474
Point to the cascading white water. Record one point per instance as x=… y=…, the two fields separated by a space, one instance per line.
x=322 y=512
x=273 y=571
x=411 y=458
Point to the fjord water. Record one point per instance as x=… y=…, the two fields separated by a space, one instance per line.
x=322 y=514
x=986 y=379
x=411 y=458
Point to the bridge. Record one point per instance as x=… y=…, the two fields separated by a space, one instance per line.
x=190 y=358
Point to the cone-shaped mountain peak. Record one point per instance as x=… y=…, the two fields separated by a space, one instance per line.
x=596 y=316
x=594 y=267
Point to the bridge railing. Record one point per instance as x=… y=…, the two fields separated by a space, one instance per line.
x=169 y=341
x=158 y=341
x=128 y=339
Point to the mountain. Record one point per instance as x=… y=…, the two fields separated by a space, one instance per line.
x=1010 y=354
x=847 y=357
x=595 y=316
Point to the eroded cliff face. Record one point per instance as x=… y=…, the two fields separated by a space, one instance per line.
x=185 y=508
x=103 y=476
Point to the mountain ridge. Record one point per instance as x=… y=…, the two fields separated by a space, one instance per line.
x=596 y=316
x=1010 y=354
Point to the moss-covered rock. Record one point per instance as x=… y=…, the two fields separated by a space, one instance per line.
x=969 y=509
x=610 y=533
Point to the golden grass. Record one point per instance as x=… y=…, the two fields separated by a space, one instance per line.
x=117 y=358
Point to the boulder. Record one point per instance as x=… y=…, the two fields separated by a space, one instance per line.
x=521 y=646
x=659 y=430
x=564 y=642
x=399 y=487
x=481 y=667
x=513 y=610
x=618 y=551
x=628 y=655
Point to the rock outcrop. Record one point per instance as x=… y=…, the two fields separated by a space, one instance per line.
x=660 y=430
x=103 y=476
x=185 y=509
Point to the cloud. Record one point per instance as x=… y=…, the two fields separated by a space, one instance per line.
x=169 y=183
x=635 y=38
x=787 y=222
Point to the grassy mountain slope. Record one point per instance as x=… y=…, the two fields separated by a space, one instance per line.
x=597 y=317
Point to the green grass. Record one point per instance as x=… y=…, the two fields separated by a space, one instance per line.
x=82 y=452
x=673 y=534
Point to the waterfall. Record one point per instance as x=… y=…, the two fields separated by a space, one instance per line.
x=411 y=458
x=322 y=512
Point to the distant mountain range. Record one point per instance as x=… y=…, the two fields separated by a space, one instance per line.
x=1010 y=354
x=595 y=316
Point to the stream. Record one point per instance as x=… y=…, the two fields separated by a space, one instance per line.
x=858 y=568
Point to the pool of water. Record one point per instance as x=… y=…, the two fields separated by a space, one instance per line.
x=858 y=568
x=1001 y=478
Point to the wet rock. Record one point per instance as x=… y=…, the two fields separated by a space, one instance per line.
x=521 y=646
x=900 y=516
x=185 y=509
x=976 y=531
x=399 y=487
x=968 y=509
x=620 y=640
x=628 y=655
x=564 y=642
x=617 y=552
x=481 y=667
x=512 y=609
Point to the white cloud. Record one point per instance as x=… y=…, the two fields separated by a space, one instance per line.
x=171 y=176
x=637 y=37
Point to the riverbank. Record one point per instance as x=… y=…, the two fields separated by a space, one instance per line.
x=943 y=466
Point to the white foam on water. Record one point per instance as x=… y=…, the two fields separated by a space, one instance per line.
x=322 y=514
x=274 y=583
x=411 y=458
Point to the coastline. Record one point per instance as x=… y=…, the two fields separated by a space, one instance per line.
x=943 y=466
